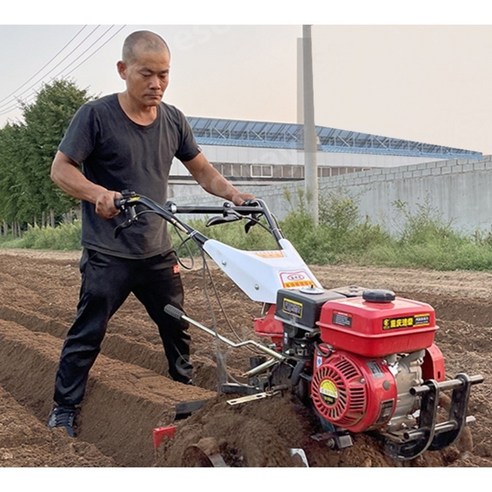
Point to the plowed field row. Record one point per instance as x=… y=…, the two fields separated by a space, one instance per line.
x=129 y=393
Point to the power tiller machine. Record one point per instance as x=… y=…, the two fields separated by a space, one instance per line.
x=364 y=360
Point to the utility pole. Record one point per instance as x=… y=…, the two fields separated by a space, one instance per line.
x=310 y=137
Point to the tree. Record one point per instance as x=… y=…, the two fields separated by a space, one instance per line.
x=12 y=198
x=46 y=120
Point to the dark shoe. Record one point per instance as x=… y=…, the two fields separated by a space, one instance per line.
x=183 y=379
x=62 y=416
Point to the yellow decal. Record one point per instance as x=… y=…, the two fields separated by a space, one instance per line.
x=328 y=391
x=292 y=307
x=407 y=321
x=270 y=254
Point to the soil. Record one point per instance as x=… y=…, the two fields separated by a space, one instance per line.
x=130 y=395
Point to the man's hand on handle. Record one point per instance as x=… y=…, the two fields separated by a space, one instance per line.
x=240 y=198
x=105 y=204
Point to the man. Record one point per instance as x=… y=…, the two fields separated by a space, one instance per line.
x=126 y=141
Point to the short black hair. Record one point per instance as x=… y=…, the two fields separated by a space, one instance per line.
x=148 y=39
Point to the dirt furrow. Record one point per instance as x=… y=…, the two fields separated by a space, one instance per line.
x=125 y=402
x=25 y=441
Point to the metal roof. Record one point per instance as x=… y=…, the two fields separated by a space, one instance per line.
x=216 y=131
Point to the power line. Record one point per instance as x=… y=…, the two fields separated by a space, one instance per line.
x=43 y=67
x=93 y=53
x=33 y=95
x=16 y=104
x=51 y=70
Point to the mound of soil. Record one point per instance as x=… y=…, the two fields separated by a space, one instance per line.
x=130 y=394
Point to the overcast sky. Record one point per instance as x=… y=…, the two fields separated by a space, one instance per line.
x=428 y=78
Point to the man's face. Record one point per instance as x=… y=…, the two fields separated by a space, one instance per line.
x=147 y=76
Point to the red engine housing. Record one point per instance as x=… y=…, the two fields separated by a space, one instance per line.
x=363 y=356
x=375 y=329
x=352 y=385
x=353 y=392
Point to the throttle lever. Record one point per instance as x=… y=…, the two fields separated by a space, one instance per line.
x=253 y=217
x=218 y=219
x=124 y=225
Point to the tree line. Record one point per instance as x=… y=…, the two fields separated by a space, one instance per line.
x=28 y=197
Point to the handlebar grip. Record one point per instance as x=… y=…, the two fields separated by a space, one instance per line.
x=250 y=203
x=120 y=202
x=173 y=311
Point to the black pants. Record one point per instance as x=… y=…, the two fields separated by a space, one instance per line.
x=107 y=281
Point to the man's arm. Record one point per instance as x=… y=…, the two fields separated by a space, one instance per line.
x=213 y=182
x=66 y=174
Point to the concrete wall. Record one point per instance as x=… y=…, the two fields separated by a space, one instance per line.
x=457 y=191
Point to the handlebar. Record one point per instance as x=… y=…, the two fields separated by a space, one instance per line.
x=130 y=200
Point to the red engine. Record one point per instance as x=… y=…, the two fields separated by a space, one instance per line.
x=372 y=352
x=362 y=352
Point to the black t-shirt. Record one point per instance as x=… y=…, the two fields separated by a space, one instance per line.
x=120 y=154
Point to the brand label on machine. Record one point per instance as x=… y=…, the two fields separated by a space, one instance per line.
x=294 y=308
x=328 y=391
x=298 y=278
x=375 y=369
x=407 y=321
x=342 y=319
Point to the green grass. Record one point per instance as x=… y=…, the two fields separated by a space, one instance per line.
x=424 y=241
x=65 y=237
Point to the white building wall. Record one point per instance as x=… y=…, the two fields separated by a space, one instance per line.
x=254 y=155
